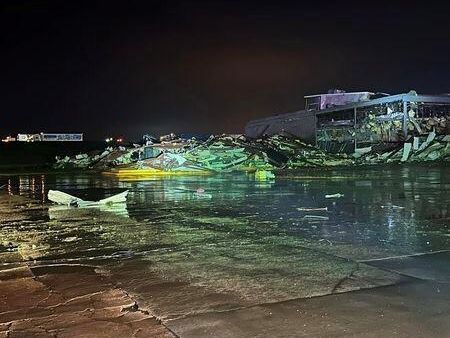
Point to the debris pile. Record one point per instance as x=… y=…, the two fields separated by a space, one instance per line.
x=108 y=158
x=440 y=124
x=298 y=154
x=228 y=153
x=417 y=149
x=388 y=127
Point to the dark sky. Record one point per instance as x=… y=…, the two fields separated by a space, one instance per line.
x=134 y=67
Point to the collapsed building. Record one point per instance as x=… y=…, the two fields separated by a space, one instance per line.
x=341 y=122
x=335 y=129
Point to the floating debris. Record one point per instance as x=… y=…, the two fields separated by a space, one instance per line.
x=70 y=239
x=338 y=195
x=313 y=209
x=392 y=207
x=200 y=193
x=63 y=198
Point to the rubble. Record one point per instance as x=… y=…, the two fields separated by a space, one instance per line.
x=231 y=153
x=418 y=149
x=108 y=158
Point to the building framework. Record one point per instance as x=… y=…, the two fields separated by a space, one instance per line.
x=346 y=127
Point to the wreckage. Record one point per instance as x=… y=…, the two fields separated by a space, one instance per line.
x=336 y=129
x=98 y=159
x=218 y=154
x=62 y=198
x=232 y=153
x=340 y=122
x=237 y=153
x=429 y=149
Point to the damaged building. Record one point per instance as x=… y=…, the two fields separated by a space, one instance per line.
x=341 y=129
x=344 y=122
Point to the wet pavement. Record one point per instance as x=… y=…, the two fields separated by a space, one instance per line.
x=69 y=301
x=218 y=262
x=410 y=309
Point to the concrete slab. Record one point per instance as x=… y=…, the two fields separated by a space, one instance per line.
x=433 y=266
x=172 y=295
x=412 y=309
x=70 y=301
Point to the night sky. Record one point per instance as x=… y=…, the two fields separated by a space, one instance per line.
x=134 y=67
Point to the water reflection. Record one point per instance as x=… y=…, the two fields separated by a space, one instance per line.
x=253 y=241
x=399 y=210
x=59 y=212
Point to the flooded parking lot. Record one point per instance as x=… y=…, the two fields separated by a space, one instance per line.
x=185 y=246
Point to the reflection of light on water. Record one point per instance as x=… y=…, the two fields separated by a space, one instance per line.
x=184 y=188
x=61 y=211
x=391 y=226
x=29 y=186
x=382 y=212
x=33 y=187
x=24 y=184
x=119 y=209
x=43 y=188
x=9 y=187
x=391 y=223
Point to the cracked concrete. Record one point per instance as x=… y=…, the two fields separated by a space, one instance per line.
x=411 y=309
x=71 y=304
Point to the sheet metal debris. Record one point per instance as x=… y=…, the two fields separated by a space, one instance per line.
x=62 y=198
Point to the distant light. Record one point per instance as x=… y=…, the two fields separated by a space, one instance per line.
x=119 y=140
x=8 y=139
x=109 y=139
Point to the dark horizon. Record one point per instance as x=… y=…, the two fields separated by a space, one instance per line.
x=131 y=68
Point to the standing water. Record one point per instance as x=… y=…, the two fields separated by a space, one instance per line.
x=196 y=244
